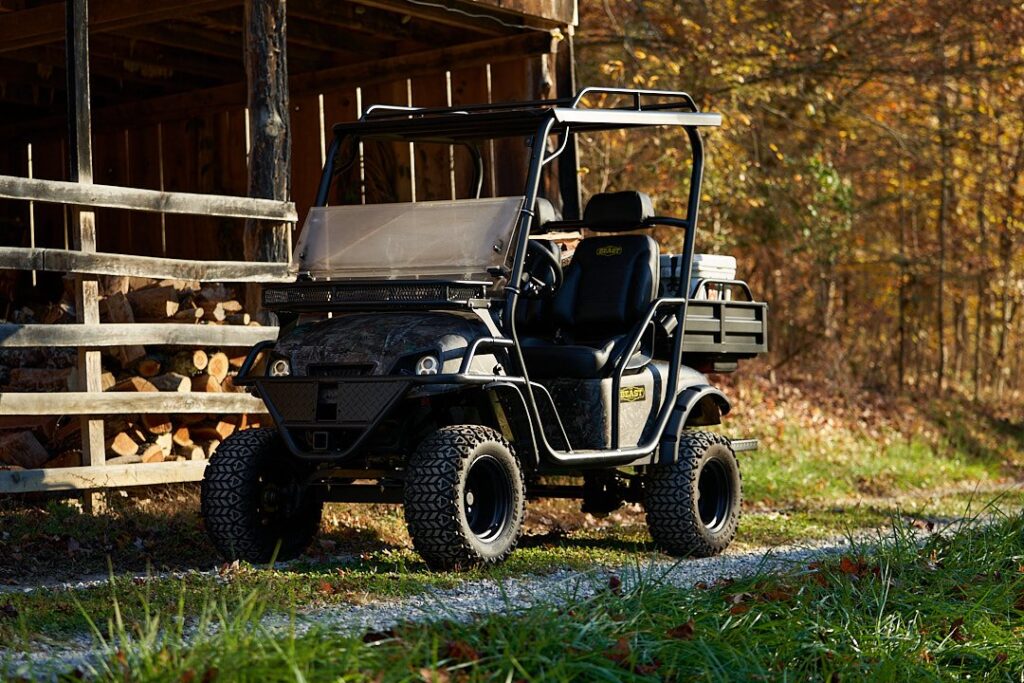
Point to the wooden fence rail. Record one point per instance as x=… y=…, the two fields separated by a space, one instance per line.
x=90 y=335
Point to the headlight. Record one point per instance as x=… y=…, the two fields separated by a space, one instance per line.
x=280 y=367
x=427 y=365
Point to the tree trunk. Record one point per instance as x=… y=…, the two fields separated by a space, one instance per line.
x=266 y=72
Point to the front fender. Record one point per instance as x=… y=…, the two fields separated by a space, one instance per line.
x=696 y=406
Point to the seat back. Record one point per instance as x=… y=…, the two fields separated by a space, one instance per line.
x=612 y=279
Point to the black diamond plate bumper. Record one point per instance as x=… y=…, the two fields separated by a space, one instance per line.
x=327 y=419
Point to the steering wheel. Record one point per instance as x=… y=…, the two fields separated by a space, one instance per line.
x=542 y=274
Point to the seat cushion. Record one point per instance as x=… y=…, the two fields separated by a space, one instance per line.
x=576 y=361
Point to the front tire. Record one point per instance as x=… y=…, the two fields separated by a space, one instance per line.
x=464 y=498
x=693 y=504
x=253 y=500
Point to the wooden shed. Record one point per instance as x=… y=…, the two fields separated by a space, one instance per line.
x=181 y=141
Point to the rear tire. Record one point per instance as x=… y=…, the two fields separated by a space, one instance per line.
x=253 y=500
x=464 y=498
x=693 y=505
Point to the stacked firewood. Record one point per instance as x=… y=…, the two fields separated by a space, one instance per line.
x=56 y=442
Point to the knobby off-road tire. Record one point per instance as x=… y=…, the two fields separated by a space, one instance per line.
x=252 y=500
x=693 y=505
x=464 y=498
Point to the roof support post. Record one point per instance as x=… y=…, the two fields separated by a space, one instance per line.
x=83 y=221
x=266 y=73
x=568 y=162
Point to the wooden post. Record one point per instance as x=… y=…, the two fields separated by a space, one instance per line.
x=266 y=72
x=83 y=221
x=568 y=163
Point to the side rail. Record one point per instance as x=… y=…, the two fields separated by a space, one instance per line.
x=89 y=336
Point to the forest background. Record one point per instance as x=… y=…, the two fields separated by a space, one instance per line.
x=869 y=174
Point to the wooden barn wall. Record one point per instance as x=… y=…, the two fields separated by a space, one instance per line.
x=208 y=154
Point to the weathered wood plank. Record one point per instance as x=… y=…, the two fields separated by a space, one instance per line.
x=113 y=402
x=410 y=65
x=105 y=476
x=563 y=12
x=83 y=220
x=45 y=24
x=270 y=146
x=115 y=334
x=71 y=261
x=109 y=196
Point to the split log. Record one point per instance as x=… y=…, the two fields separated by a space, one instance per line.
x=172 y=381
x=69 y=458
x=134 y=384
x=211 y=447
x=189 y=315
x=189 y=363
x=214 y=310
x=122 y=444
x=153 y=453
x=155 y=423
x=124 y=460
x=212 y=431
x=207 y=383
x=238 y=319
x=44 y=379
x=192 y=452
x=237 y=360
x=107 y=380
x=22 y=449
x=119 y=310
x=182 y=437
x=218 y=366
x=148 y=367
x=191 y=418
x=180 y=285
x=154 y=303
x=136 y=283
x=113 y=284
x=165 y=442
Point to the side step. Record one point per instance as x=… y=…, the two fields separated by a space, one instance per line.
x=739 y=445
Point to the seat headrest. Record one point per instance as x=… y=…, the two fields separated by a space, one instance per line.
x=543 y=212
x=618 y=211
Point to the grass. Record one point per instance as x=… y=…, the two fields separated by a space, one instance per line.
x=819 y=474
x=951 y=608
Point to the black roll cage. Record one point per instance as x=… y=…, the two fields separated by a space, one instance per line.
x=537 y=120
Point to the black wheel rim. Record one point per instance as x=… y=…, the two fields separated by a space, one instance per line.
x=276 y=500
x=487 y=498
x=714 y=491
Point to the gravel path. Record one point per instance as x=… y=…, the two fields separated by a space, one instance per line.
x=468 y=601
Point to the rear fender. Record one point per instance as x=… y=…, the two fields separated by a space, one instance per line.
x=696 y=406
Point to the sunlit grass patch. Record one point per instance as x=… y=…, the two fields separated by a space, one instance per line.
x=952 y=607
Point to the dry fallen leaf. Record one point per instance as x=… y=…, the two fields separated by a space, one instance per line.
x=956 y=631
x=683 y=631
x=460 y=651
x=434 y=675
x=620 y=651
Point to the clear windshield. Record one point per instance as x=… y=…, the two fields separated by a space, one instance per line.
x=440 y=239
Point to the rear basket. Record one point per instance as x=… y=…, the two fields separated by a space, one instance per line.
x=719 y=333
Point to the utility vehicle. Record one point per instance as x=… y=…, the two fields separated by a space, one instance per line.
x=441 y=356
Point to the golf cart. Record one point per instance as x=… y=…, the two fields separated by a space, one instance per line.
x=441 y=357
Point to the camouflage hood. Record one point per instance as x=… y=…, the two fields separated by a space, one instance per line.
x=379 y=343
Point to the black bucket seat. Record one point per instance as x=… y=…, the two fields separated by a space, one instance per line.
x=608 y=287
